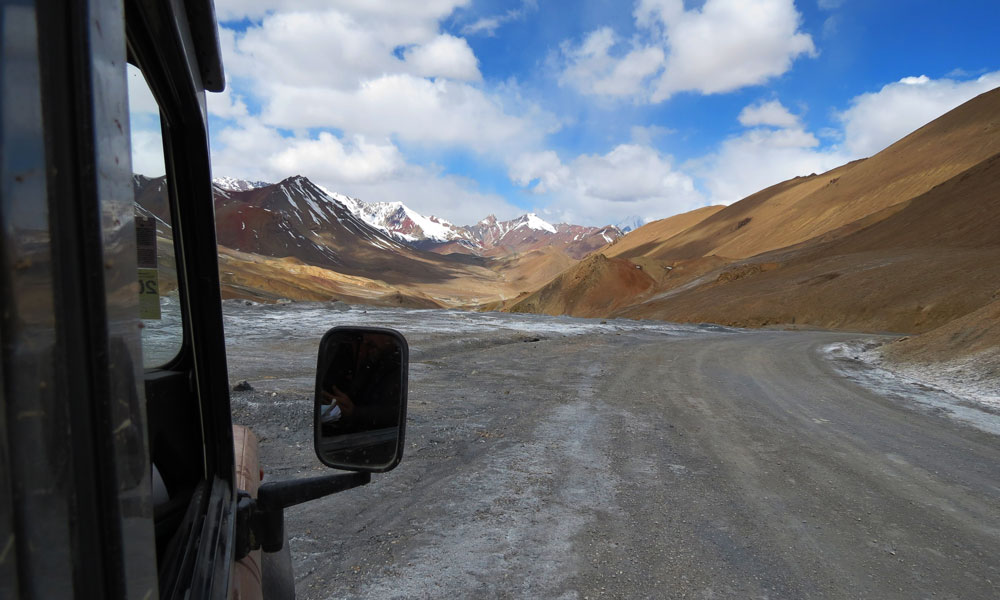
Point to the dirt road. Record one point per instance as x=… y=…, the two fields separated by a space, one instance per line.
x=622 y=462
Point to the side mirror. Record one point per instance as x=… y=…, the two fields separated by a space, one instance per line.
x=359 y=420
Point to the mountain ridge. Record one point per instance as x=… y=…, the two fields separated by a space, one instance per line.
x=487 y=237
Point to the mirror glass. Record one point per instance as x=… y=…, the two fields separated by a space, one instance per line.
x=360 y=408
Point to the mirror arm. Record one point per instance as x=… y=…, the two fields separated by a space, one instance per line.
x=260 y=522
x=277 y=495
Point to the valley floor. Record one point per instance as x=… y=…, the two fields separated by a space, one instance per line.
x=566 y=458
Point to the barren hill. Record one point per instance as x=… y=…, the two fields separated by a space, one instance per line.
x=583 y=291
x=969 y=346
x=934 y=259
x=906 y=240
x=802 y=208
x=652 y=237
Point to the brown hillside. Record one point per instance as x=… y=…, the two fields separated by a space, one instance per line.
x=800 y=209
x=934 y=259
x=976 y=333
x=646 y=240
x=594 y=287
x=635 y=248
x=531 y=270
x=966 y=350
x=264 y=279
x=902 y=241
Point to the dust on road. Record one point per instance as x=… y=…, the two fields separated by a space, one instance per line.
x=565 y=458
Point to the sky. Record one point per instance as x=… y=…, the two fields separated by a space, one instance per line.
x=583 y=111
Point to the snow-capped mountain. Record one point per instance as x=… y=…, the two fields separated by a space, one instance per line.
x=531 y=232
x=491 y=232
x=231 y=184
x=388 y=225
x=406 y=224
x=297 y=220
x=487 y=237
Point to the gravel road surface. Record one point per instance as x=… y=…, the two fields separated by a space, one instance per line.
x=564 y=458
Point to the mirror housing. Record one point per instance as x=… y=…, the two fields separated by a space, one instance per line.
x=359 y=416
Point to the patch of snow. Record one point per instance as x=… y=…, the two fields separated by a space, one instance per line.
x=384 y=215
x=315 y=210
x=233 y=184
x=537 y=223
x=956 y=388
x=435 y=230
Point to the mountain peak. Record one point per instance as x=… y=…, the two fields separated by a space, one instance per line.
x=295 y=179
x=533 y=221
x=232 y=184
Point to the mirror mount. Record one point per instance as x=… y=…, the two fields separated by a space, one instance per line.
x=260 y=522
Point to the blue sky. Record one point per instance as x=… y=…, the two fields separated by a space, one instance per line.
x=583 y=111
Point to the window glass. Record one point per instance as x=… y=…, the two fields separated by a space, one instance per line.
x=159 y=303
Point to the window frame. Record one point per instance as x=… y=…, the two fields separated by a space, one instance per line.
x=180 y=64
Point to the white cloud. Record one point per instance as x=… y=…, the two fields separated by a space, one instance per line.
x=339 y=49
x=358 y=160
x=771 y=113
x=545 y=167
x=593 y=70
x=328 y=48
x=227 y=105
x=140 y=98
x=645 y=136
x=722 y=46
x=373 y=10
x=631 y=179
x=332 y=89
x=340 y=45
x=144 y=126
x=877 y=119
x=418 y=110
x=775 y=147
x=489 y=25
x=444 y=56
x=730 y=44
x=372 y=170
x=147 y=152
x=429 y=192
x=399 y=77
x=354 y=160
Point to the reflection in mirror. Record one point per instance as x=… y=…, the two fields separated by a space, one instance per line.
x=360 y=408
